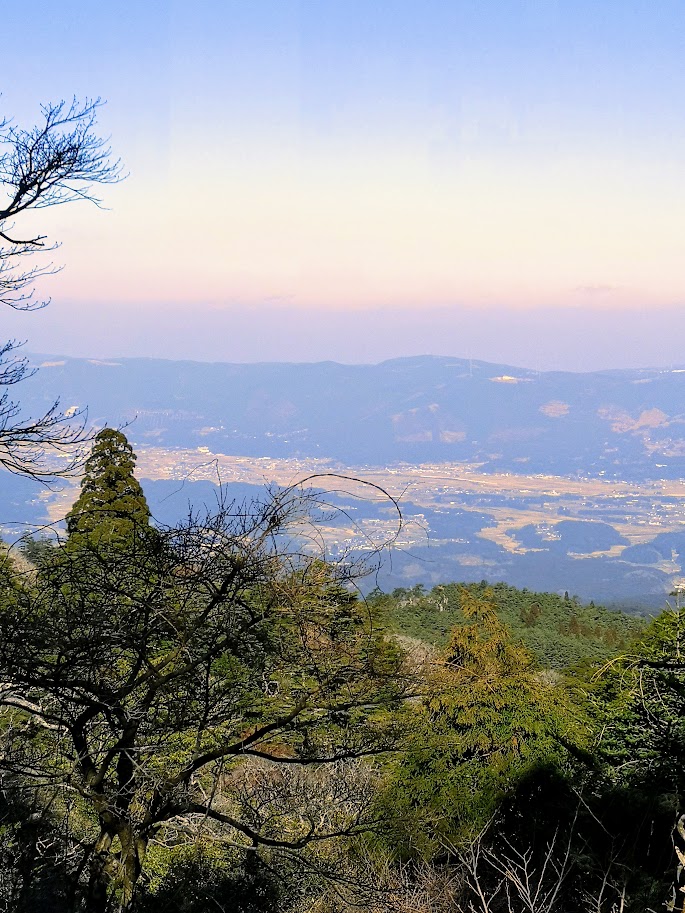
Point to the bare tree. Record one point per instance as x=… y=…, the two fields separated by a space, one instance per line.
x=529 y=885
x=506 y=878
x=60 y=160
x=193 y=684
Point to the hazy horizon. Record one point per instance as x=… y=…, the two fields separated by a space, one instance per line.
x=328 y=180
x=545 y=339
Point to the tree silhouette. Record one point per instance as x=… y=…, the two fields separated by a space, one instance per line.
x=55 y=162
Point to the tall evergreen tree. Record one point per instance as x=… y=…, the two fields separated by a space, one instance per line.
x=111 y=507
x=489 y=719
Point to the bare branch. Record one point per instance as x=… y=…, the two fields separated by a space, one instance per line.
x=60 y=160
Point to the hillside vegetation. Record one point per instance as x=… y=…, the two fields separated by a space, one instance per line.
x=205 y=716
x=560 y=631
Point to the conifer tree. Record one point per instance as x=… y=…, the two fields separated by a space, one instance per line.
x=488 y=719
x=111 y=507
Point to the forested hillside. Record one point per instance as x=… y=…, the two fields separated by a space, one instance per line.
x=559 y=631
x=206 y=716
x=624 y=424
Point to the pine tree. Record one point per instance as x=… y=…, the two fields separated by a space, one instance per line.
x=111 y=507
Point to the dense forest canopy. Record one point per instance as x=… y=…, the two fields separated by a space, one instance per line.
x=205 y=716
x=559 y=630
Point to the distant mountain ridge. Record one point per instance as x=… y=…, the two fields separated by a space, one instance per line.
x=620 y=423
x=535 y=496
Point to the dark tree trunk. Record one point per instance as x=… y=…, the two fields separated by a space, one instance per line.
x=97 y=898
x=677 y=902
x=133 y=849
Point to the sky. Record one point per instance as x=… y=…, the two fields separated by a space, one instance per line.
x=348 y=180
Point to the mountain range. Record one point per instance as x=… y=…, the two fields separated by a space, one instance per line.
x=553 y=481
x=627 y=424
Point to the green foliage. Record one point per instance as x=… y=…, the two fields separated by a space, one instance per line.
x=38 y=551
x=639 y=699
x=632 y=792
x=560 y=631
x=489 y=717
x=111 y=507
x=189 y=684
x=197 y=877
x=35 y=869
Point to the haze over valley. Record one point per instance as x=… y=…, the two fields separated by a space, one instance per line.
x=547 y=480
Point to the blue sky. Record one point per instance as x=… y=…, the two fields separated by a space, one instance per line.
x=454 y=171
